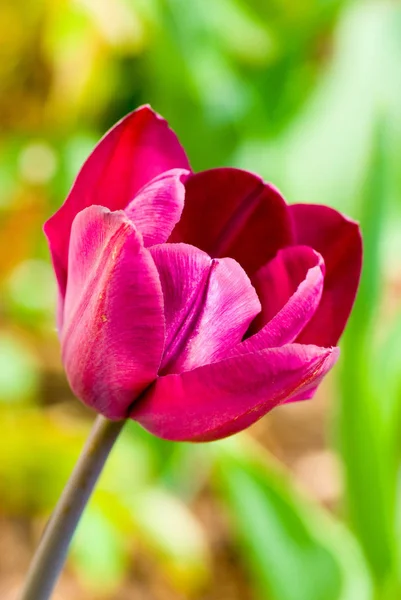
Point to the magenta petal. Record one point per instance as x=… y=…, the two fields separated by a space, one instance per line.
x=113 y=333
x=229 y=212
x=158 y=206
x=134 y=151
x=209 y=305
x=338 y=240
x=222 y=398
x=289 y=288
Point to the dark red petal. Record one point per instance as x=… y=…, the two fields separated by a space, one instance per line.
x=338 y=240
x=134 y=151
x=229 y=212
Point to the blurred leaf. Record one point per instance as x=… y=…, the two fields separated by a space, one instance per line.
x=178 y=470
x=31 y=290
x=365 y=437
x=173 y=464
x=387 y=386
x=387 y=378
x=294 y=551
x=19 y=377
x=323 y=154
x=167 y=526
x=30 y=483
x=9 y=177
x=7 y=186
x=245 y=34
x=99 y=553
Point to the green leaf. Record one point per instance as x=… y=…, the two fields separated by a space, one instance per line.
x=387 y=387
x=294 y=551
x=363 y=425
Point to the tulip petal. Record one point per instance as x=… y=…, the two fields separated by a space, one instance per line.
x=208 y=305
x=289 y=288
x=158 y=206
x=137 y=149
x=338 y=240
x=219 y=399
x=229 y=212
x=113 y=334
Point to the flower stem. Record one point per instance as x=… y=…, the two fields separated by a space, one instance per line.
x=51 y=553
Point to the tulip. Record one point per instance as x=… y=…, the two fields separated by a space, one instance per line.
x=191 y=303
x=194 y=303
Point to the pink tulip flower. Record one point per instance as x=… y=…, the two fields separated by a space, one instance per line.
x=194 y=303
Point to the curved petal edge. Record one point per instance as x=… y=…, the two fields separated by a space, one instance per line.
x=338 y=239
x=134 y=151
x=222 y=398
x=113 y=333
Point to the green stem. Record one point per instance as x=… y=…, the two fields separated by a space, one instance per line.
x=51 y=553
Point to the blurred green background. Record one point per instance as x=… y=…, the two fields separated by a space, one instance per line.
x=304 y=506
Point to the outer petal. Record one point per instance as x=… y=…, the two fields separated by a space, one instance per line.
x=290 y=288
x=229 y=212
x=158 y=206
x=134 y=151
x=222 y=398
x=113 y=333
x=338 y=240
x=209 y=305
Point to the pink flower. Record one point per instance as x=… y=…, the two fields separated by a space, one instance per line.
x=194 y=303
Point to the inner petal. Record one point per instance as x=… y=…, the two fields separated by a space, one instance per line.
x=158 y=206
x=290 y=289
x=209 y=304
